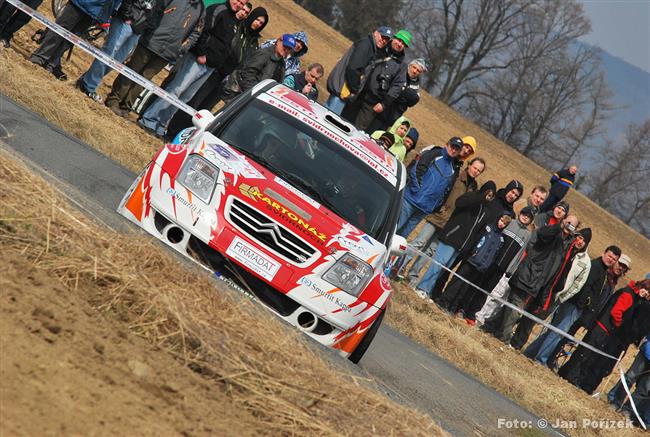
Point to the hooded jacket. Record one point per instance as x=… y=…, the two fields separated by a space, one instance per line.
x=385 y=80
x=429 y=179
x=484 y=254
x=353 y=66
x=516 y=236
x=468 y=219
x=578 y=274
x=398 y=149
x=500 y=206
x=544 y=256
x=246 y=40
x=173 y=28
x=215 y=42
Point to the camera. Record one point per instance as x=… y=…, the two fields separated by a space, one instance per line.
x=572 y=229
x=384 y=82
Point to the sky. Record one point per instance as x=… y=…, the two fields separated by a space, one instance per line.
x=622 y=28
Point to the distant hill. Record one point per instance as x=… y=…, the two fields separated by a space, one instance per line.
x=631 y=88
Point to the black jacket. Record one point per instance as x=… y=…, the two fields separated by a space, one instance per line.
x=499 y=206
x=561 y=182
x=247 y=40
x=136 y=11
x=385 y=80
x=215 y=42
x=592 y=295
x=626 y=316
x=262 y=64
x=467 y=221
x=544 y=256
x=353 y=66
x=407 y=98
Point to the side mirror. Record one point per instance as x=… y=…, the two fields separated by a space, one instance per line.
x=397 y=245
x=202 y=119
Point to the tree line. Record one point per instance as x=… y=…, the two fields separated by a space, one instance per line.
x=516 y=68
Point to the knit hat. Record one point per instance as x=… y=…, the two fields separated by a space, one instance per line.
x=387 y=138
x=414 y=135
x=586 y=235
x=404 y=36
x=420 y=62
x=470 y=141
x=564 y=205
x=527 y=211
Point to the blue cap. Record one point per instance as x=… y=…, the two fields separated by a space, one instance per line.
x=385 y=31
x=289 y=41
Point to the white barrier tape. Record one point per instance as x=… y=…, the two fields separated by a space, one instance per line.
x=514 y=307
x=629 y=397
x=103 y=57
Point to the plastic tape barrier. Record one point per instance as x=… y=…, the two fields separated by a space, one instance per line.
x=103 y=57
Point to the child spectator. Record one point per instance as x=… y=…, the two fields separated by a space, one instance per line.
x=399 y=129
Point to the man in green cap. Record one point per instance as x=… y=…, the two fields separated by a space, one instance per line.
x=384 y=84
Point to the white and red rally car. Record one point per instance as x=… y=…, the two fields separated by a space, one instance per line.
x=289 y=201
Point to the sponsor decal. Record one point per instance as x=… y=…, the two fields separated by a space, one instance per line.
x=183 y=201
x=225 y=153
x=253 y=258
x=230 y=162
x=284 y=213
x=175 y=148
x=385 y=283
x=294 y=99
x=297 y=192
x=329 y=295
x=351 y=245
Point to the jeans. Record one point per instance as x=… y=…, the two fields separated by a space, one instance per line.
x=639 y=366
x=425 y=242
x=188 y=79
x=445 y=255
x=409 y=217
x=335 y=104
x=542 y=348
x=121 y=41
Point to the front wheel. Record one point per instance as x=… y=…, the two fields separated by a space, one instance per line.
x=358 y=353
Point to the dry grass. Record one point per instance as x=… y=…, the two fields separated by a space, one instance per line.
x=244 y=351
x=489 y=360
x=509 y=373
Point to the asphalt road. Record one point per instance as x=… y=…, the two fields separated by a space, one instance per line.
x=400 y=368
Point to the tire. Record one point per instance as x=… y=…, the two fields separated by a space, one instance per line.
x=358 y=353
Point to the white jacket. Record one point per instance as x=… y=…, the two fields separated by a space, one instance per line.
x=576 y=278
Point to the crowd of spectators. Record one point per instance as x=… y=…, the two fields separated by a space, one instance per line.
x=534 y=258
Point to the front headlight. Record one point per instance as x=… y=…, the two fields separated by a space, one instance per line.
x=349 y=273
x=199 y=176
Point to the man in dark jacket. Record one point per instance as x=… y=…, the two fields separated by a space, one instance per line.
x=213 y=48
x=171 y=30
x=624 y=321
x=123 y=35
x=76 y=17
x=245 y=43
x=349 y=74
x=560 y=184
x=407 y=98
x=384 y=84
x=306 y=81
x=267 y=63
x=460 y=232
x=502 y=204
x=544 y=256
x=429 y=181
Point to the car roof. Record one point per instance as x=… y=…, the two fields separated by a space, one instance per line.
x=336 y=128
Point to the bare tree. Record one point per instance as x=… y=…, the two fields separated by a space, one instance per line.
x=620 y=183
x=462 y=39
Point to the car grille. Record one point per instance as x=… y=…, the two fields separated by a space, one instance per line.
x=269 y=233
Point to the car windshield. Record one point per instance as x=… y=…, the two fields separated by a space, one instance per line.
x=311 y=162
